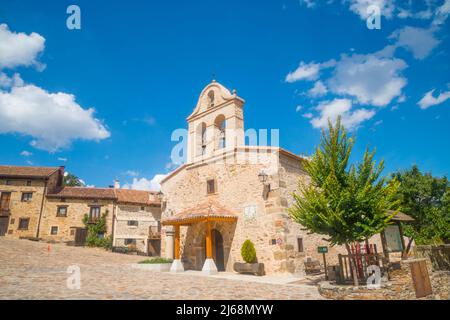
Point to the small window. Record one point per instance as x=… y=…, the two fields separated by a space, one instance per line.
x=27 y=196
x=133 y=223
x=300 y=244
x=211 y=186
x=211 y=98
x=94 y=214
x=8 y=182
x=130 y=242
x=29 y=183
x=23 y=223
x=72 y=231
x=61 y=211
x=10 y=232
x=13 y=221
x=54 y=231
x=142 y=208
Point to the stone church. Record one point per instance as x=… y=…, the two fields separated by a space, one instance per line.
x=227 y=192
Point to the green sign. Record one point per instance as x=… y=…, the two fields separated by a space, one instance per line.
x=322 y=249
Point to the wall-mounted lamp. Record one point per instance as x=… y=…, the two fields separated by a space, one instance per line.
x=263 y=179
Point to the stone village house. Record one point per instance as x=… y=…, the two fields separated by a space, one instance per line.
x=35 y=205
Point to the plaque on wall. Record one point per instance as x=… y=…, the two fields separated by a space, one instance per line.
x=393 y=238
x=250 y=215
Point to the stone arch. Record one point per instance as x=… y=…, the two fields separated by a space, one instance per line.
x=200 y=139
x=220 y=126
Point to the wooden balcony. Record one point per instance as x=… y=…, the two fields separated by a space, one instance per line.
x=5 y=212
x=154 y=233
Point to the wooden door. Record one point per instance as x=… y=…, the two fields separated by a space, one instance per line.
x=4 y=222
x=218 y=254
x=80 y=236
x=4 y=200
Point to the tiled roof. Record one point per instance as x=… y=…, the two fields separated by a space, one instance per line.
x=84 y=193
x=137 y=197
x=208 y=210
x=26 y=172
x=400 y=216
x=121 y=195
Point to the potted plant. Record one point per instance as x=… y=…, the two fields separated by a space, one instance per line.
x=251 y=265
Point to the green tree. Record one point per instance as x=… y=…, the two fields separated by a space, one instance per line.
x=427 y=200
x=71 y=180
x=346 y=203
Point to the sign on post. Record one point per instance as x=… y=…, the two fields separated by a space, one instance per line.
x=323 y=250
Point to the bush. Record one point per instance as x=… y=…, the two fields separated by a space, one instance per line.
x=248 y=252
x=156 y=260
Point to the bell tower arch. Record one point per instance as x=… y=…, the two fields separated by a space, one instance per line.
x=216 y=124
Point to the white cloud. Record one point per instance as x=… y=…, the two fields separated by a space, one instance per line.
x=26 y=153
x=308 y=115
x=428 y=100
x=145 y=184
x=359 y=7
x=318 y=90
x=442 y=13
x=371 y=79
x=418 y=40
x=305 y=71
x=8 y=82
x=340 y=107
x=62 y=159
x=19 y=49
x=308 y=3
x=54 y=120
x=132 y=173
x=298 y=108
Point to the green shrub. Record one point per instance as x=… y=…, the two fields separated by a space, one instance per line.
x=156 y=261
x=248 y=252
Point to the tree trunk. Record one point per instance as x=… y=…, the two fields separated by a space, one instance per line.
x=408 y=247
x=353 y=265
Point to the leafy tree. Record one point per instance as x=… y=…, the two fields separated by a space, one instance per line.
x=248 y=252
x=71 y=180
x=427 y=200
x=346 y=203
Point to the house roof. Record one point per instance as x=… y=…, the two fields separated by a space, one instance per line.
x=27 y=172
x=120 y=195
x=84 y=193
x=400 y=216
x=137 y=197
x=209 y=210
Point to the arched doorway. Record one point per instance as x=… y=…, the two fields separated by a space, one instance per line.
x=218 y=254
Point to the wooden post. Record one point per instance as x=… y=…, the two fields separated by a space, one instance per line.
x=325 y=265
x=208 y=241
x=177 y=242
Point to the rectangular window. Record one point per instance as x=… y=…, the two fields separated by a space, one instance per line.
x=130 y=242
x=94 y=214
x=133 y=223
x=27 y=196
x=23 y=223
x=72 y=231
x=54 y=231
x=61 y=211
x=210 y=186
x=29 y=183
x=300 y=244
x=13 y=221
x=8 y=182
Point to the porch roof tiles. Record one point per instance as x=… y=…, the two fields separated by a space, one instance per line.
x=206 y=211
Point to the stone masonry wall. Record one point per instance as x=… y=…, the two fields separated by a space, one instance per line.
x=76 y=210
x=23 y=209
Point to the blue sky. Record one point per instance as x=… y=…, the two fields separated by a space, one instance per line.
x=104 y=100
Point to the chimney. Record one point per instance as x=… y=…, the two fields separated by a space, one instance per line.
x=116 y=184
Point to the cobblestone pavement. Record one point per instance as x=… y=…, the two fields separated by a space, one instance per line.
x=29 y=271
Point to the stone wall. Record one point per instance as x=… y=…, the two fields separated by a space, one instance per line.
x=24 y=209
x=399 y=287
x=76 y=209
x=438 y=255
